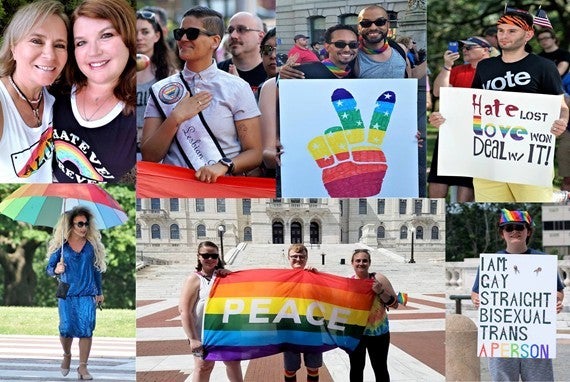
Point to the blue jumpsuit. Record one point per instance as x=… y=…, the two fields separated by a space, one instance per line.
x=77 y=312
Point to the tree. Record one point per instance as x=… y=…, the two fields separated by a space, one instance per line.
x=453 y=20
x=472 y=228
x=23 y=258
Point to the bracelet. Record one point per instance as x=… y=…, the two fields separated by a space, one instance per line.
x=446 y=68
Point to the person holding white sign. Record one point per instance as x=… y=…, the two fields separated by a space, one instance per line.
x=202 y=118
x=195 y=292
x=297 y=256
x=474 y=49
x=516 y=70
x=516 y=228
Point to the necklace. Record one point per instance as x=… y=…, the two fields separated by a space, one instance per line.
x=88 y=119
x=31 y=103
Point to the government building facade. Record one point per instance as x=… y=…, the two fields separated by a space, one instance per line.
x=178 y=225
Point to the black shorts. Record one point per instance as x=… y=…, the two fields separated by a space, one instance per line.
x=449 y=180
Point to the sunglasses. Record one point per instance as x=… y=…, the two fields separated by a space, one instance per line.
x=514 y=227
x=207 y=256
x=343 y=44
x=266 y=50
x=190 y=33
x=147 y=15
x=298 y=257
x=378 y=22
x=82 y=224
x=241 y=29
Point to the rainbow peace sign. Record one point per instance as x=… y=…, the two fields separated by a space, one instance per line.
x=353 y=164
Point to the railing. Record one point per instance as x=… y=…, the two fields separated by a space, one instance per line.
x=458 y=298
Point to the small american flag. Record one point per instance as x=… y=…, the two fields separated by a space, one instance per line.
x=542 y=19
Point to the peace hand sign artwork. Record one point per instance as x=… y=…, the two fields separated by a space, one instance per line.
x=350 y=156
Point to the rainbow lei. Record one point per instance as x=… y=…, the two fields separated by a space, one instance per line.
x=340 y=73
x=374 y=51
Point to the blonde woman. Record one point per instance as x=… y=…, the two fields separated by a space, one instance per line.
x=78 y=258
x=33 y=54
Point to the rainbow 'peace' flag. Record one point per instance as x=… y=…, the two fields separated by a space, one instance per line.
x=257 y=313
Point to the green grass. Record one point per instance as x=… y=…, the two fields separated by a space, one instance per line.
x=44 y=322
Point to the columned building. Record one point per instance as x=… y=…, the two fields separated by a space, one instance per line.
x=178 y=225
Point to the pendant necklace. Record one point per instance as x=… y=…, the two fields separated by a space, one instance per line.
x=88 y=119
x=31 y=103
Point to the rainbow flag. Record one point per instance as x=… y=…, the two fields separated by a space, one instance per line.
x=261 y=312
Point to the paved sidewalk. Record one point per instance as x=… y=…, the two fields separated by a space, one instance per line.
x=417 y=330
x=38 y=358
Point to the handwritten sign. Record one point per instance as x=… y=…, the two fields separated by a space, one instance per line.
x=501 y=136
x=517 y=315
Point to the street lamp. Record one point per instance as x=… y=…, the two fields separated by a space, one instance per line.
x=413 y=229
x=221 y=230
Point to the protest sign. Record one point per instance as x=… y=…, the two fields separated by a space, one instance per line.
x=517 y=314
x=349 y=138
x=501 y=136
x=260 y=312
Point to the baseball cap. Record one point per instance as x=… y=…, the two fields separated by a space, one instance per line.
x=515 y=217
x=298 y=36
x=476 y=41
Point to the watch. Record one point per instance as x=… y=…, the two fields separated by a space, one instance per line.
x=228 y=163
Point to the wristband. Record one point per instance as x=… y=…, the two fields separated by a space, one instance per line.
x=446 y=68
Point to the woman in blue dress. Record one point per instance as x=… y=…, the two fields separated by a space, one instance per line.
x=78 y=258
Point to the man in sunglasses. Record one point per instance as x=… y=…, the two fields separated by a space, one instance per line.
x=516 y=228
x=246 y=32
x=516 y=70
x=341 y=44
x=474 y=50
x=379 y=56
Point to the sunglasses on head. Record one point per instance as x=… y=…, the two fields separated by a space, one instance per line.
x=343 y=44
x=147 y=15
x=190 y=33
x=514 y=227
x=241 y=29
x=378 y=22
x=207 y=256
x=82 y=224
x=266 y=50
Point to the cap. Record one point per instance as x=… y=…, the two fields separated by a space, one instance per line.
x=476 y=41
x=515 y=217
x=299 y=36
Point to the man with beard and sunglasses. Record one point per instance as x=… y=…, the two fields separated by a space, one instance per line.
x=516 y=228
x=378 y=56
x=202 y=118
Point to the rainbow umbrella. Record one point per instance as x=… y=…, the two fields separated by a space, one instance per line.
x=43 y=204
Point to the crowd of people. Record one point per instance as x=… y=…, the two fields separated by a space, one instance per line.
x=504 y=50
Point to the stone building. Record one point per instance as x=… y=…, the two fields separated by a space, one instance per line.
x=556 y=228
x=312 y=18
x=175 y=225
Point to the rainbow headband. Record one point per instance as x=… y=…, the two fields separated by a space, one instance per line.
x=514 y=20
x=518 y=216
